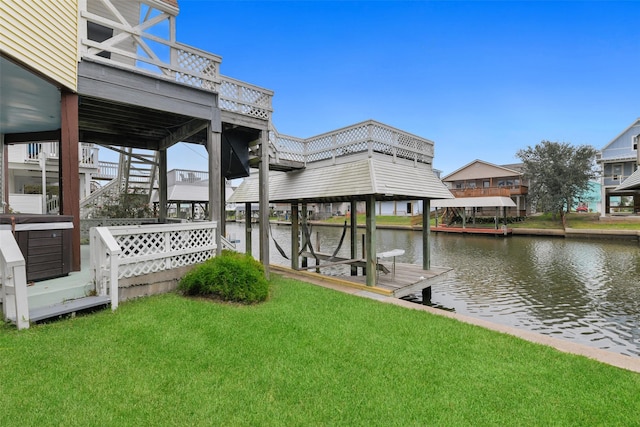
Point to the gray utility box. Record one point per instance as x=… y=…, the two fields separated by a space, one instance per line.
x=45 y=242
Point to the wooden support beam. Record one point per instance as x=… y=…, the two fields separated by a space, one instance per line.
x=247 y=228
x=192 y=127
x=214 y=147
x=264 y=201
x=371 y=240
x=69 y=170
x=426 y=234
x=295 y=237
x=162 y=187
x=26 y=137
x=305 y=259
x=354 y=235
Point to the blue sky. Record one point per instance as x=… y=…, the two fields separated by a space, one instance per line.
x=480 y=79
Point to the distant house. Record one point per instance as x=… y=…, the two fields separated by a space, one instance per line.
x=618 y=161
x=484 y=179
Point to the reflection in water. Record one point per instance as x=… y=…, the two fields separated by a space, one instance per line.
x=587 y=291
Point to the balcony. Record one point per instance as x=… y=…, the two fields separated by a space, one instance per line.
x=32 y=152
x=149 y=46
x=509 y=191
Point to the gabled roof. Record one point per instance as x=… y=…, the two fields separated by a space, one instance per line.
x=348 y=181
x=636 y=122
x=500 y=171
x=631 y=183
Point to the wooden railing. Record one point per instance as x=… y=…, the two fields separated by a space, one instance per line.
x=490 y=191
x=367 y=137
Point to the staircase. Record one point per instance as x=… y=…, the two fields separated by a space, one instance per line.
x=137 y=168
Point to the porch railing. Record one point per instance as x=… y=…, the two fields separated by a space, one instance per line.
x=31 y=152
x=151 y=248
x=366 y=137
x=13 y=278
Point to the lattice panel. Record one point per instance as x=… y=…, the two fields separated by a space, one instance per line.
x=244 y=100
x=382 y=134
x=136 y=245
x=189 y=259
x=187 y=239
x=381 y=147
x=352 y=135
x=191 y=61
x=163 y=247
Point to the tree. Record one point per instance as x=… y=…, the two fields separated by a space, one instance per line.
x=557 y=173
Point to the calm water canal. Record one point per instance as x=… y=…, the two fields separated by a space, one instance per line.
x=587 y=291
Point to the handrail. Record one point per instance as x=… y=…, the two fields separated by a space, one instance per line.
x=104 y=260
x=13 y=278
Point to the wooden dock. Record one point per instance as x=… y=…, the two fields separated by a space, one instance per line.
x=474 y=230
x=408 y=278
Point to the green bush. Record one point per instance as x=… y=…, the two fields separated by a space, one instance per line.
x=231 y=277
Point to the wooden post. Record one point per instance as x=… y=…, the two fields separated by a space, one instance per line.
x=69 y=170
x=4 y=176
x=426 y=234
x=264 y=200
x=222 y=225
x=305 y=261
x=247 y=228
x=214 y=148
x=295 y=237
x=371 y=258
x=162 y=187
x=426 y=296
x=497 y=216
x=354 y=235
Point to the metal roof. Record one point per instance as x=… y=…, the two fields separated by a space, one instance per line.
x=631 y=183
x=477 y=202
x=348 y=181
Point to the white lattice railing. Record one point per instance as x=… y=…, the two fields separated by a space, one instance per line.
x=366 y=137
x=152 y=248
x=243 y=98
x=13 y=281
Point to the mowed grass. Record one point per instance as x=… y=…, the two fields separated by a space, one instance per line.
x=308 y=356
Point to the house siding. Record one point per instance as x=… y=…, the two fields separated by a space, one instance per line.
x=43 y=35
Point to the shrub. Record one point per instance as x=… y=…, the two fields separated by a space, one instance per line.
x=231 y=277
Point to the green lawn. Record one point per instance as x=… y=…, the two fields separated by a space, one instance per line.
x=308 y=356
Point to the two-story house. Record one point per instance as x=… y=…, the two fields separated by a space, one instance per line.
x=484 y=179
x=619 y=160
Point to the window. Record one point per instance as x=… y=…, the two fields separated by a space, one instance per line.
x=617 y=170
x=486 y=184
x=635 y=140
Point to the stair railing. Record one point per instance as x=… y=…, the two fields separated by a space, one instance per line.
x=104 y=260
x=13 y=276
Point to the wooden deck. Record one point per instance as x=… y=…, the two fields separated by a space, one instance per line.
x=474 y=230
x=408 y=279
